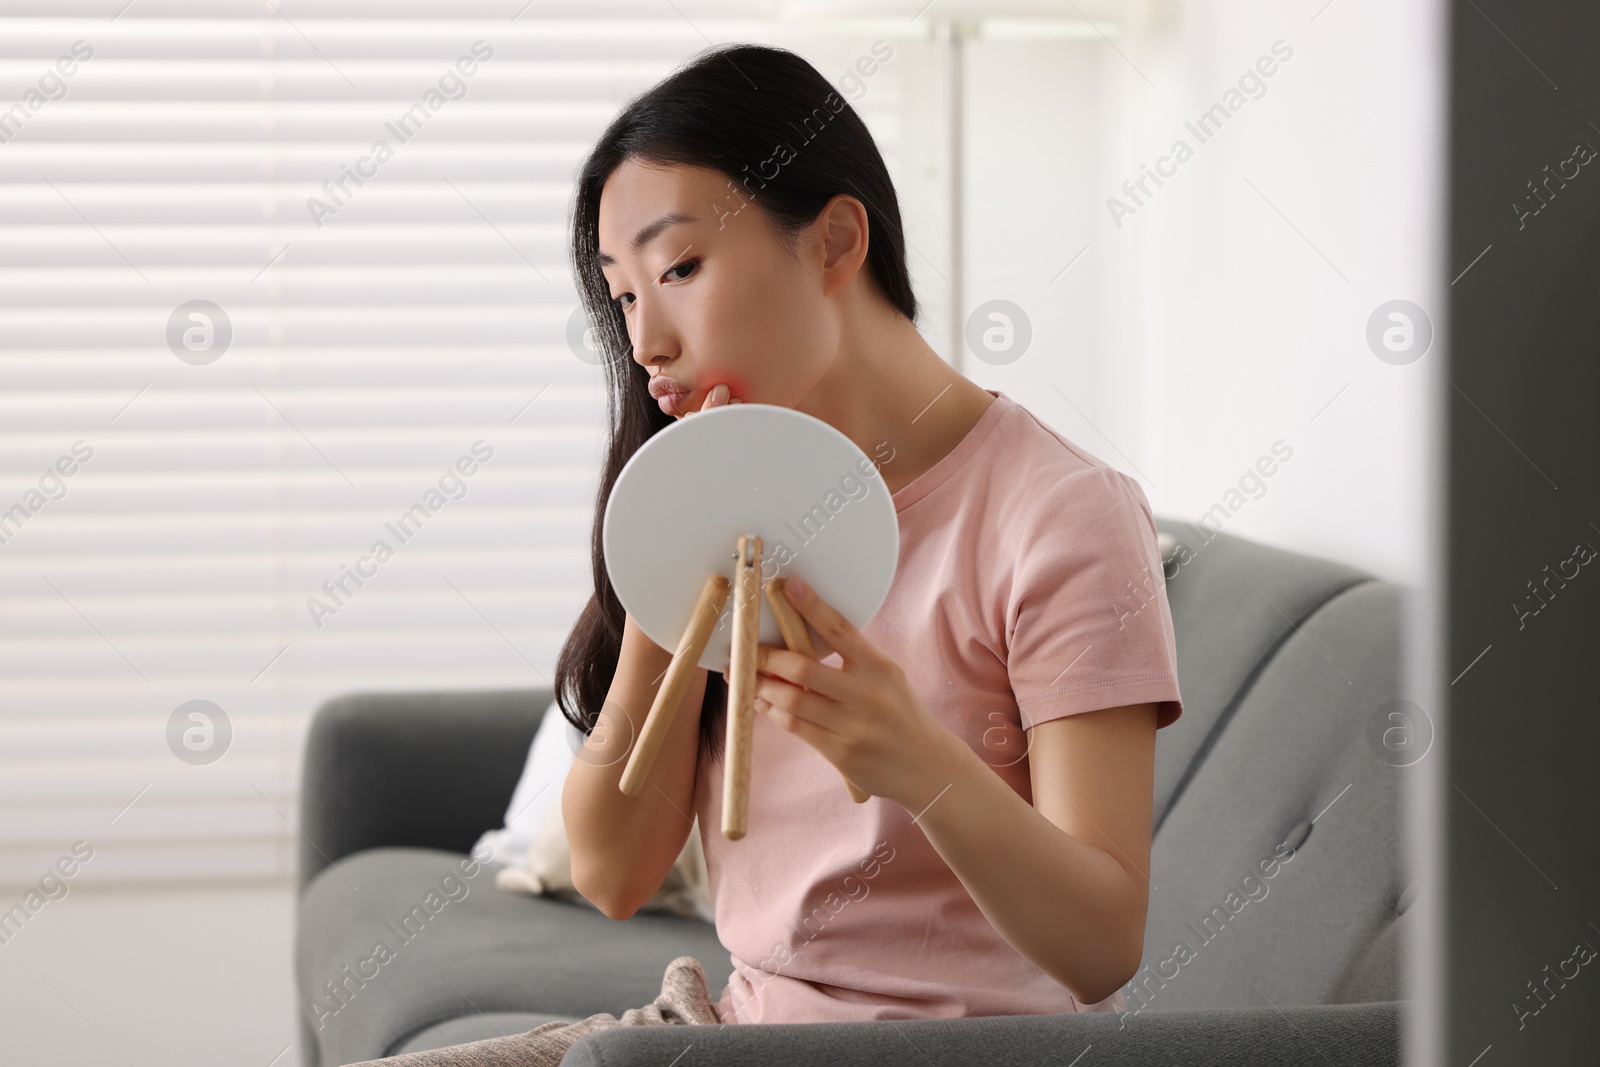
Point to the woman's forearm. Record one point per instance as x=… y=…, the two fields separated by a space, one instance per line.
x=622 y=846
x=1066 y=905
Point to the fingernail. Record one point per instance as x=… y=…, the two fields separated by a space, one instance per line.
x=797 y=586
x=721 y=392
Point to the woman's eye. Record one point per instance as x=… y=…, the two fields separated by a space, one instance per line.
x=678 y=273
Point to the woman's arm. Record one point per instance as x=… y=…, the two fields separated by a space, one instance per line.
x=622 y=846
x=1062 y=880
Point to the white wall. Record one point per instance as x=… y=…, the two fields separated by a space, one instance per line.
x=1232 y=306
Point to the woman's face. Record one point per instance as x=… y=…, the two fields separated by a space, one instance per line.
x=709 y=294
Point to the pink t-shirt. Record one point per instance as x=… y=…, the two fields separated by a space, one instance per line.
x=1029 y=587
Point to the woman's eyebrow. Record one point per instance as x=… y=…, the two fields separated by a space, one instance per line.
x=649 y=233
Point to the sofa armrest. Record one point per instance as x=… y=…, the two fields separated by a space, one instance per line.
x=1351 y=1035
x=430 y=770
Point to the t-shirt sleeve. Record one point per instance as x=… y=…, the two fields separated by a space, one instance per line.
x=1087 y=620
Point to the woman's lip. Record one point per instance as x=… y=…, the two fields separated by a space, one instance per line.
x=670 y=402
x=661 y=385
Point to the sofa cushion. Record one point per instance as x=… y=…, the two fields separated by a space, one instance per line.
x=1292 y=767
x=1378 y=972
x=1233 y=601
x=482 y=950
x=387 y=769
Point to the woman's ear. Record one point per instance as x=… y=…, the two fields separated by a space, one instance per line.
x=844 y=230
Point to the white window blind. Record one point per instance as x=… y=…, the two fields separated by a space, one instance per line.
x=396 y=371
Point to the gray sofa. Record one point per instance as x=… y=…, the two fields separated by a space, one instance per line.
x=1285 y=663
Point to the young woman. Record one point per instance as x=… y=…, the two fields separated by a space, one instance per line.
x=736 y=238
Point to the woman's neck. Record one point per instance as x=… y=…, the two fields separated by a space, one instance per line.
x=891 y=393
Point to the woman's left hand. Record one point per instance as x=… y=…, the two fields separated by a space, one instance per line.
x=863 y=717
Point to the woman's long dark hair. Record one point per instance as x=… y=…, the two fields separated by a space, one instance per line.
x=728 y=109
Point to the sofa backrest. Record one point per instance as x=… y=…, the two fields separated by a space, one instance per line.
x=1277 y=866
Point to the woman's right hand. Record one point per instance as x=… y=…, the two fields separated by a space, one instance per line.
x=718 y=397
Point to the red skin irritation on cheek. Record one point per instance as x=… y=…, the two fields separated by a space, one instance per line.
x=738 y=387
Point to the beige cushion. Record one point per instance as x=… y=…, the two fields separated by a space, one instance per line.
x=548 y=871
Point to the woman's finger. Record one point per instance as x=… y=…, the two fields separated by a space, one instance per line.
x=851 y=644
x=804 y=672
x=716 y=398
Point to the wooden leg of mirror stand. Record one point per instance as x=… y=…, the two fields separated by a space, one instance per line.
x=741 y=688
x=798 y=638
x=713 y=594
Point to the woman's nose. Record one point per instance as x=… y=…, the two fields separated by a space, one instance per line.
x=653 y=340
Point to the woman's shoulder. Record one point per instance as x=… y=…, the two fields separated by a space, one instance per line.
x=1053 y=473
